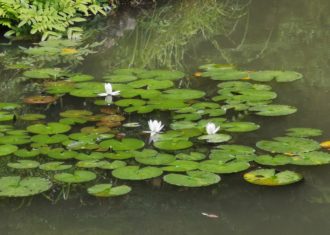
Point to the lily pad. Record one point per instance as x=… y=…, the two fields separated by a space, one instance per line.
x=123 y=145
x=136 y=173
x=311 y=158
x=15 y=139
x=291 y=145
x=193 y=156
x=273 y=110
x=215 y=138
x=39 y=99
x=174 y=144
x=15 y=186
x=77 y=176
x=221 y=167
x=120 y=78
x=107 y=190
x=49 y=129
x=277 y=160
x=279 y=76
x=32 y=117
x=159 y=159
x=240 y=126
x=54 y=166
x=269 y=177
x=75 y=113
x=24 y=164
x=183 y=94
x=181 y=166
x=46 y=139
x=7 y=149
x=24 y=153
x=192 y=179
x=303 y=132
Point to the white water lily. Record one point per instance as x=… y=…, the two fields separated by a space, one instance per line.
x=108 y=90
x=211 y=129
x=155 y=127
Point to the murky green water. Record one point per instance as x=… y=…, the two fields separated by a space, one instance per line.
x=288 y=35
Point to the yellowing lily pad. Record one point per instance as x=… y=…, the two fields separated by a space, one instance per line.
x=269 y=177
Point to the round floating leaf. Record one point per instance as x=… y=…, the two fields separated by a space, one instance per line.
x=111 y=165
x=277 y=160
x=269 y=177
x=24 y=153
x=107 y=190
x=192 y=179
x=225 y=74
x=45 y=73
x=80 y=78
x=7 y=149
x=289 y=145
x=181 y=166
x=75 y=177
x=73 y=121
x=130 y=102
x=221 y=167
x=239 y=126
x=273 y=110
x=174 y=144
x=136 y=173
x=123 y=145
x=159 y=159
x=15 y=139
x=95 y=130
x=229 y=152
x=23 y=164
x=120 y=155
x=61 y=154
x=5 y=116
x=215 y=138
x=152 y=84
x=193 y=156
x=279 y=76
x=303 y=132
x=54 y=166
x=46 y=139
x=183 y=94
x=48 y=129
x=90 y=156
x=311 y=158
x=9 y=106
x=15 y=186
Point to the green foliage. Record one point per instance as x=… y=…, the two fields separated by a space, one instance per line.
x=49 y=18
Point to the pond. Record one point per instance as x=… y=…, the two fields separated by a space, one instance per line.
x=195 y=62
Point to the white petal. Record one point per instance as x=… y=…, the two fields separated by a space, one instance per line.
x=108 y=88
x=102 y=94
x=114 y=93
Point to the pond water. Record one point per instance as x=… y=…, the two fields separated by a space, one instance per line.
x=253 y=35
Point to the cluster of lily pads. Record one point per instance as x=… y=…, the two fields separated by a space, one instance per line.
x=191 y=150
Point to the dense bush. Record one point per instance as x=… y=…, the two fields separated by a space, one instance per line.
x=48 y=18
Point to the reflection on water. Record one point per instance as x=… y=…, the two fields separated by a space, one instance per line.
x=288 y=35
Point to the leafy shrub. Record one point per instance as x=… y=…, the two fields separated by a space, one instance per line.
x=48 y=18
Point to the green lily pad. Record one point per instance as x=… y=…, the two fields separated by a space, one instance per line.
x=80 y=78
x=15 y=139
x=192 y=179
x=5 y=116
x=289 y=145
x=311 y=158
x=136 y=173
x=159 y=159
x=221 y=167
x=215 y=138
x=24 y=153
x=49 y=129
x=45 y=73
x=61 y=154
x=73 y=121
x=193 y=156
x=107 y=190
x=279 y=76
x=174 y=144
x=183 y=94
x=106 y=165
x=273 y=110
x=277 y=160
x=77 y=176
x=181 y=166
x=303 y=132
x=24 y=164
x=7 y=149
x=123 y=145
x=240 y=126
x=9 y=106
x=46 y=139
x=229 y=152
x=15 y=186
x=55 y=166
x=120 y=155
x=90 y=156
x=130 y=102
x=269 y=177
x=152 y=84
x=225 y=74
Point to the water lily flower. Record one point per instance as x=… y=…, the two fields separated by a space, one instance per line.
x=108 y=90
x=155 y=127
x=211 y=129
